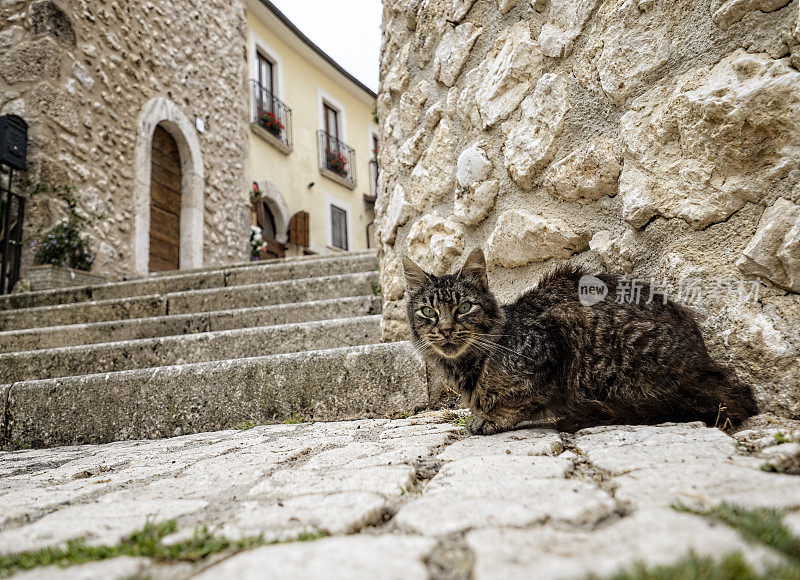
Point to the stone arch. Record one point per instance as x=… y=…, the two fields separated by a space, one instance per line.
x=163 y=112
x=277 y=205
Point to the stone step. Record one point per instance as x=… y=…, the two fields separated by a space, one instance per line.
x=363 y=381
x=230 y=276
x=290 y=291
x=188 y=348
x=171 y=325
x=209 y=300
x=291 y=259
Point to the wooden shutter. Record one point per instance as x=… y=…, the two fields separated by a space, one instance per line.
x=299 y=229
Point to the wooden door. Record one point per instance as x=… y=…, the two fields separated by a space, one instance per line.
x=165 y=203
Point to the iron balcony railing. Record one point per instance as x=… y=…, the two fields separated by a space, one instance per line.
x=271 y=114
x=337 y=157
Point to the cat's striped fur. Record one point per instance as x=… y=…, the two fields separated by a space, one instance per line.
x=547 y=356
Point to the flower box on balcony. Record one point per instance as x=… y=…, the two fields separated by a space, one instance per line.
x=271 y=123
x=337 y=163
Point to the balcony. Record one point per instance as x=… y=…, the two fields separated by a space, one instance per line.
x=271 y=118
x=336 y=160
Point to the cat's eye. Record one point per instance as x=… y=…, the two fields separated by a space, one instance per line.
x=428 y=311
x=464 y=307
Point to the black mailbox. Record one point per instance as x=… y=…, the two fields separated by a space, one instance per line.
x=13 y=141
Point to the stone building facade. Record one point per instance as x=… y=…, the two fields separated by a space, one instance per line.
x=94 y=79
x=659 y=139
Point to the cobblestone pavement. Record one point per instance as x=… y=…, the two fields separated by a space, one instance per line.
x=409 y=498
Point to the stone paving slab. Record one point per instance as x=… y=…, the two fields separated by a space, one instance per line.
x=403 y=498
x=656 y=537
x=122 y=567
x=388 y=557
x=688 y=464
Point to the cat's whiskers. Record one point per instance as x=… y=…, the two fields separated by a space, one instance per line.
x=420 y=346
x=499 y=347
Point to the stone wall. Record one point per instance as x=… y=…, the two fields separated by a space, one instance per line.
x=659 y=139
x=81 y=72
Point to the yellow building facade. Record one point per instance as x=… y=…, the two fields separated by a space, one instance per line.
x=312 y=141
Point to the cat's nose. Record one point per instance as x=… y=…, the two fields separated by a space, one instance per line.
x=447 y=333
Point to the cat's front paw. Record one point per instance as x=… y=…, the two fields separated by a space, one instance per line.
x=490 y=428
x=475 y=425
x=480 y=426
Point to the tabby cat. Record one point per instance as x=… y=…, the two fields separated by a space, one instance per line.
x=549 y=357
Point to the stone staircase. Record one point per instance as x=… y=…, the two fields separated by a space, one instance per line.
x=203 y=350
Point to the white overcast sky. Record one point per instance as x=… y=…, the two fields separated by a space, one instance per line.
x=348 y=30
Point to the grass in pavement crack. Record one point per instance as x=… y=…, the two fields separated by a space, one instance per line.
x=733 y=567
x=761 y=526
x=147 y=542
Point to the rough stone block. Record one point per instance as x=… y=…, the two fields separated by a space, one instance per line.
x=498 y=84
x=453 y=51
x=434 y=242
x=774 y=250
x=738 y=117
x=32 y=61
x=47 y=18
x=521 y=237
x=530 y=143
x=587 y=174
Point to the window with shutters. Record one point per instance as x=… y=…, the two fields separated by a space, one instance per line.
x=338 y=227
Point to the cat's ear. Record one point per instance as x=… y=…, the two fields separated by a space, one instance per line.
x=415 y=276
x=474 y=268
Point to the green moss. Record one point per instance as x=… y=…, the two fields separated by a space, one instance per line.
x=309 y=537
x=245 y=425
x=147 y=542
x=763 y=525
x=771 y=468
x=293 y=418
x=780 y=437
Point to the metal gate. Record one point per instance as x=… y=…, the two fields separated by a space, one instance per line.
x=12 y=215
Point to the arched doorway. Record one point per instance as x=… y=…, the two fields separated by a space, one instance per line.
x=165 y=203
x=160 y=114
